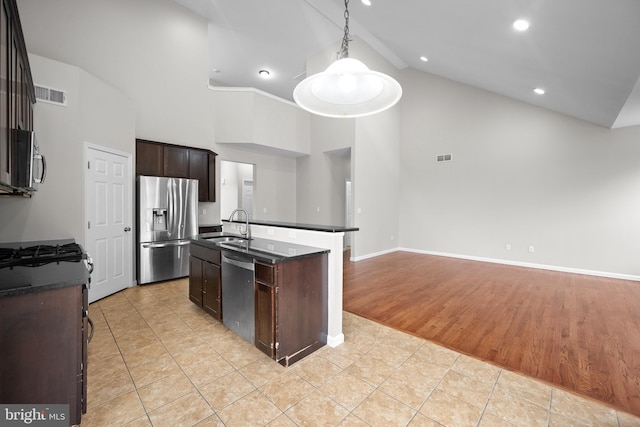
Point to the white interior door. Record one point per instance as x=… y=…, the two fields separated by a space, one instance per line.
x=109 y=213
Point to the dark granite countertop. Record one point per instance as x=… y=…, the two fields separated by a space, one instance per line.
x=301 y=226
x=22 y=279
x=265 y=250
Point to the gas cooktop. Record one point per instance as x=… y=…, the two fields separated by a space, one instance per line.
x=38 y=255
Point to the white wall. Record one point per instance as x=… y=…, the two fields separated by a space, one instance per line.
x=232 y=177
x=376 y=183
x=520 y=175
x=96 y=113
x=249 y=117
x=315 y=200
x=373 y=143
x=155 y=52
x=275 y=184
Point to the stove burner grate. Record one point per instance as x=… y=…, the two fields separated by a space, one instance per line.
x=35 y=256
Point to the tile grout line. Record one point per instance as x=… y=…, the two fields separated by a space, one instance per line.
x=172 y=358
x=550 y=405
x=125 y=364
x=486 y=405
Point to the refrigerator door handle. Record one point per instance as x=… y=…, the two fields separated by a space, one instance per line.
x=165 y=244
x=171 y=204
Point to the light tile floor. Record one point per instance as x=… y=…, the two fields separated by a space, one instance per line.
x=157 y=359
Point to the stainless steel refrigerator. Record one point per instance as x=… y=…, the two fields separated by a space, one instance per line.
x=167 y=217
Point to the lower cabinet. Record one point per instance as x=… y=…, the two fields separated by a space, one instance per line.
x=205 y=280
x=265 y=328
x=290 y=301
x=43 y=338
x=211 y=290
x=291 y=308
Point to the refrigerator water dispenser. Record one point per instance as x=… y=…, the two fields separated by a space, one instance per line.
x=159 y=220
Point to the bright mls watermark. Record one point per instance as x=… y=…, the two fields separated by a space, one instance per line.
x=34 y=415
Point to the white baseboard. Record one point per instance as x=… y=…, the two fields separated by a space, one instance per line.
x=373 y=255
x=336 y=340
x=507 y=262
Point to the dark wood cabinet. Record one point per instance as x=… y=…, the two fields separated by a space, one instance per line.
x=176 y=161
x=290 y=301
x=44 y=349
x=291 y=308
x=159 y=159
x=149 y=158
x=205 y=280
x=202 y=166
x=265 y=329
x=17 y=94
x=212 y=290
x=196 y=280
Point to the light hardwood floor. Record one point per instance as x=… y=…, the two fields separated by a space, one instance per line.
x=577 y=332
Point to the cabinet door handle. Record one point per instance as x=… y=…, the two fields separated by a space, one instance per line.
x=92 y=329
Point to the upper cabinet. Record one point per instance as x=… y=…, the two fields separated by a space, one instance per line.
x=17 y=94
x=159 y=159
x=149 y=158
x=202 y=166
x=176 y=162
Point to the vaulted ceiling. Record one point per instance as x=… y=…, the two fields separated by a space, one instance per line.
x=585 y=54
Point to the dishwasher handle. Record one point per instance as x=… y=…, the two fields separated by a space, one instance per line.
x=241 y=262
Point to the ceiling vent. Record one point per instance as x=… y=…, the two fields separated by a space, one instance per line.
x=51 y=96
x=444 y=158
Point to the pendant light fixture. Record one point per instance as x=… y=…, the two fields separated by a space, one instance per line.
x=347 y=88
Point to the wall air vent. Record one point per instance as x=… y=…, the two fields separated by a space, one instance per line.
x=444 y=158
x=51 y=96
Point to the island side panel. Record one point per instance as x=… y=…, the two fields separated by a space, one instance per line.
x=302 y=307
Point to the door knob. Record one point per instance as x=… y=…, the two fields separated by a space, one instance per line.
x=127 y=229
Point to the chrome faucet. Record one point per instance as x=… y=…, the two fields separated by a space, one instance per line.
x=247 y=230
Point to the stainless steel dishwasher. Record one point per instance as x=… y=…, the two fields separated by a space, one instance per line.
x=238 y=310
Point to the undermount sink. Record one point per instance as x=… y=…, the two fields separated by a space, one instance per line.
x=224 y=239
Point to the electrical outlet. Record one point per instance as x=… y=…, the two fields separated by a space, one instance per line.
x=532 y=249
x=204 y=211
x=508 y=246
x=270 y=231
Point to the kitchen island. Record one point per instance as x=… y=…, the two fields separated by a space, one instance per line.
x=271 y=293
x=321 y=236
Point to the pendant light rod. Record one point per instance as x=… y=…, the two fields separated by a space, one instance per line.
x=344 y=48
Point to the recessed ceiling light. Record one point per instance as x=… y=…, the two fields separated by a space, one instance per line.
x=521 y=25
x=424 y=59
x=539 y=91
x=265 y=74
x=366 y=2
